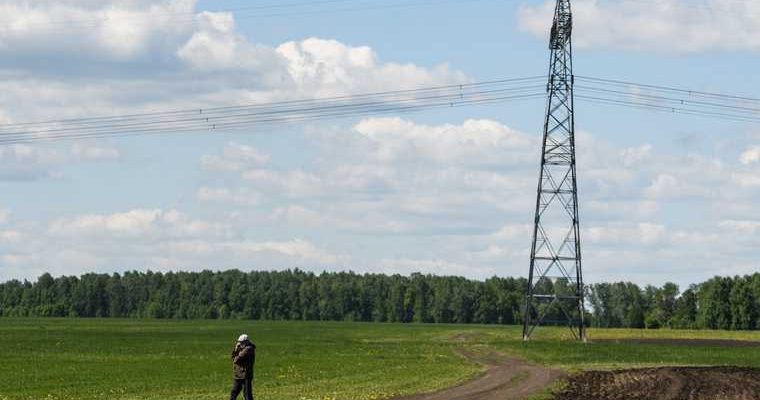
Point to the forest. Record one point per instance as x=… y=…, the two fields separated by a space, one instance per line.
x=719 y=303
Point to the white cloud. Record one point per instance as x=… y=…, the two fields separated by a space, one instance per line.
x=94 y=29
x=328 y=67
x=357 y=218
x=395 y=176
x=663 y=185
x=472 y=142
x=386 y=194
x=111 y=57
x=141 y=224
x=91 y=152
x=750 y=156
x=672 y=25
x=148 y=238
x=27 y=162
x=451 y=193
x=295 y=250
x=241 y=197
x=741 y=227
x=235 y=157
x=432 y=266
x=640 y=234
x=215 y=45
x=635 y=209
x=9 y=236
x=685 y=185
x=295 y=183
x=634 y=156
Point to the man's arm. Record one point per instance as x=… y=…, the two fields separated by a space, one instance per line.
x=242 y=355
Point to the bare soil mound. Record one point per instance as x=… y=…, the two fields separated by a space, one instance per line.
x=667 y=383
x=504 y=378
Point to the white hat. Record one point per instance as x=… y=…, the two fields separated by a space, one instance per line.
x=243 y=338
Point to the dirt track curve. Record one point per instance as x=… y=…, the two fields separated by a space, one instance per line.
x=505 y=378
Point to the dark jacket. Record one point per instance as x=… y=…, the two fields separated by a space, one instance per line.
x=243 y=358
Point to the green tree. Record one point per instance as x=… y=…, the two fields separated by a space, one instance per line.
x=742 y=304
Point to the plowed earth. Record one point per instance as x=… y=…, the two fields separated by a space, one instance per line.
x=667 y=383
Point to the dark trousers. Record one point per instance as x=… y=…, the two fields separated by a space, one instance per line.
x=246 y=385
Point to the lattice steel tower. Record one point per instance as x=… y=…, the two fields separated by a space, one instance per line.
x=555 y=282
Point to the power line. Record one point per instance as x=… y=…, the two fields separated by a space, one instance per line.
x=668 y=99
x=689 y=92
x=667 y=109
x=673 y=100
x=250 y=116
x=240 y=116
x=261 y=122
x=297 y=102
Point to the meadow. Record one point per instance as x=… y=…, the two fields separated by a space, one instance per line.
x=151 y=359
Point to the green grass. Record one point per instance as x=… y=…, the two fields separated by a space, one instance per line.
x=138 y=359
x=132 y=359
x=553 y=347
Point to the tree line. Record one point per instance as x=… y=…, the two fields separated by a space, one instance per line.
x=719 y=303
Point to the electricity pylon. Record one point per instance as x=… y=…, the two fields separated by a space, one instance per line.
x=555 y=282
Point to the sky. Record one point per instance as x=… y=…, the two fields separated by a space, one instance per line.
x=662 y=197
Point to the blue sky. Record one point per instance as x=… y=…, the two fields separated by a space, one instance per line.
x=663 y=197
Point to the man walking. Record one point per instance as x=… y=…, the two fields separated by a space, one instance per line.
x=243 y=358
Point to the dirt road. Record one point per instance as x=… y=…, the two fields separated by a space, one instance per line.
x=508 y=378
x=667 y=383
x=505 y=378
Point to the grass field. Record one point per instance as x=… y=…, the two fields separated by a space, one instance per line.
x=137 y=359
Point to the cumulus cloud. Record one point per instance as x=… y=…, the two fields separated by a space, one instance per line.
x=355 y=217
x=472 y=142
x=9 y=236
x=26 y=162
x=328 y=67
x=216 y=46
x=139 y=223
x=668 y=25
x=383 y=194
x=401 y=176
x=242 y=197
x=634 y=156
x=92 y=152
x=235 y=157
x=432 y=266
x=458 y=193
x=4 y=215
x=21 y=162
x=294 y=183
x=750 y=156
x=98 y=30
x=110 y=58
x=632 y=234
x=297 y=250
x=741 y=226
x=147 y=238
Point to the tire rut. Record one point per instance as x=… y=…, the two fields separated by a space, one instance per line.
x=504 y=378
